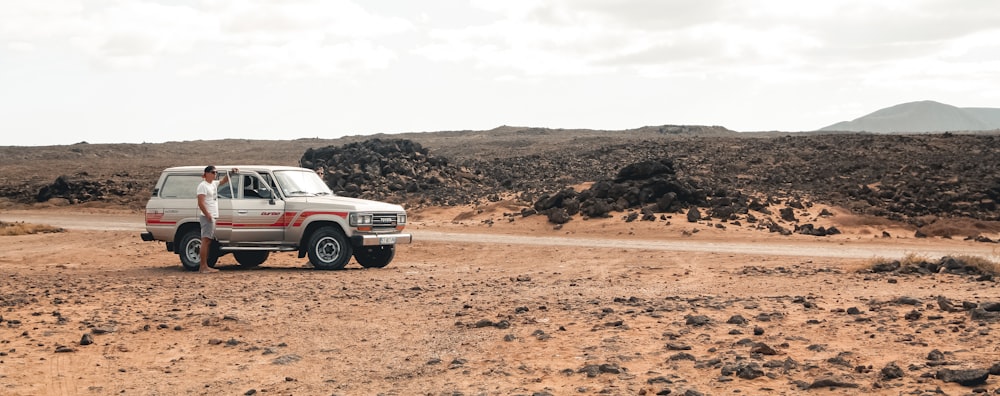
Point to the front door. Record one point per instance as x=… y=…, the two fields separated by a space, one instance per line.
x=258 y=216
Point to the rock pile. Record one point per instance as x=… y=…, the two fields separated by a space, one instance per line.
x=652 y=186
x=80 y=188
x=395 y=170
x=947 y=264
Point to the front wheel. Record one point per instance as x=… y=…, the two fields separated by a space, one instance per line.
x=375 y=256
x=250 y=258
x=190 y=251
x=329 y=249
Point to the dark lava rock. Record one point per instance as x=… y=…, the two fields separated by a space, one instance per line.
x=693 y=215
x=891 y=371
x=682 y=356
x=749 y=371
x=678 y=347
x=787 y=214
x=969 y=377
x=984 y=315
x=831 y=383
x=907 y=301
x=737 y=320
x=763 y=349
x=886 y=267
x=697 y=320
x=87 y=339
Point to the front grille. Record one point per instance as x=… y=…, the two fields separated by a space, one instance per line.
x=384 y=219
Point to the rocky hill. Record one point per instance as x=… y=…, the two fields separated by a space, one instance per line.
x=724 y=175
x=923 y=116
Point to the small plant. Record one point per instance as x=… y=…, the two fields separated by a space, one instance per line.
x=21 y=228
x=986 y=265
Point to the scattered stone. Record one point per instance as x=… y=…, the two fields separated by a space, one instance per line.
x=831 y=383
x=286 y=359
x=763 y=349
x=891 y=371
x=681 y=356
x=678 y=347
x=87 y=339
x=967 y=377
x=697 y=320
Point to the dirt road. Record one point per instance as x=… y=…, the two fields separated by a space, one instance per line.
x=830 y=247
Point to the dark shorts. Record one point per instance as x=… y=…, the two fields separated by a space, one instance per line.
x=207 y=227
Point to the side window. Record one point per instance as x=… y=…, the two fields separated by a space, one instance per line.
x=226 y=190
x=180 y=186
x=251 y=186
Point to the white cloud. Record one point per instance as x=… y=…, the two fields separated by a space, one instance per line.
x=658 y=38
x=283 y=38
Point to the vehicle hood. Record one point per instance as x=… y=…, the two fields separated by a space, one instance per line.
x=349 y=204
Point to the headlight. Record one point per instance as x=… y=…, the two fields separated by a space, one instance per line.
x=361 y=219
x=401 y=218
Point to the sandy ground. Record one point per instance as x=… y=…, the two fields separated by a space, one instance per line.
x=485 y=305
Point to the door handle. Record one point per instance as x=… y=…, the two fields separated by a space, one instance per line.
x=242 y=211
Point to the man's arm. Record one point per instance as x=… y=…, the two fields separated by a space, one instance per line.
x=202 y=207
x=225 y=179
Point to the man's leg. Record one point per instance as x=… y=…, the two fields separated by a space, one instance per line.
x=207 y=235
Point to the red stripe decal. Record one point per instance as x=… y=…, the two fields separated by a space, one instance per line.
x=298 y=222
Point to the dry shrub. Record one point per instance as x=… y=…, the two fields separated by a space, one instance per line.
x=960 y=228
x=986 y=265
x=21 y=228
x=866 y=221
x=912 y=259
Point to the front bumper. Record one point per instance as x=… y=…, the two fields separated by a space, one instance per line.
x=381 y=239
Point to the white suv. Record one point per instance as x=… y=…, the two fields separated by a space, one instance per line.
x=274 y=208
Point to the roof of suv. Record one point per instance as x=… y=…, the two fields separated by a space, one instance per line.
x=201 y=168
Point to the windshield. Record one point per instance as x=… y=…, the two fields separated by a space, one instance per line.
x=295 y=183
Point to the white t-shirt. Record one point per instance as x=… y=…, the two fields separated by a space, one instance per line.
x=211 y=193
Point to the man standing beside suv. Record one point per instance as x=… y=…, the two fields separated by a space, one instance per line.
x=208 y=212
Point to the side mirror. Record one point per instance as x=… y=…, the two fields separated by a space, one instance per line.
x=265 y=193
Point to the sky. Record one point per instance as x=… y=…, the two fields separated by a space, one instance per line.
x=138 y=71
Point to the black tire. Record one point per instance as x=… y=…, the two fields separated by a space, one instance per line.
x=189 y=250
x=375 y=256
x=329 y=249
x=250 y=258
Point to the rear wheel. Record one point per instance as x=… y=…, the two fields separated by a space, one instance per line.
x=250 y=258
x=329 y=249
x=190 y=251
x=375 y=256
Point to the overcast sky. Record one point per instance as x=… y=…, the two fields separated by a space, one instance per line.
x=132 y=71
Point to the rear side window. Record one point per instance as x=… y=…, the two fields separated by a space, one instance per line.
x=180 y=186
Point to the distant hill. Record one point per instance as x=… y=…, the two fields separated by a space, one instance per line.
x=923 y=116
